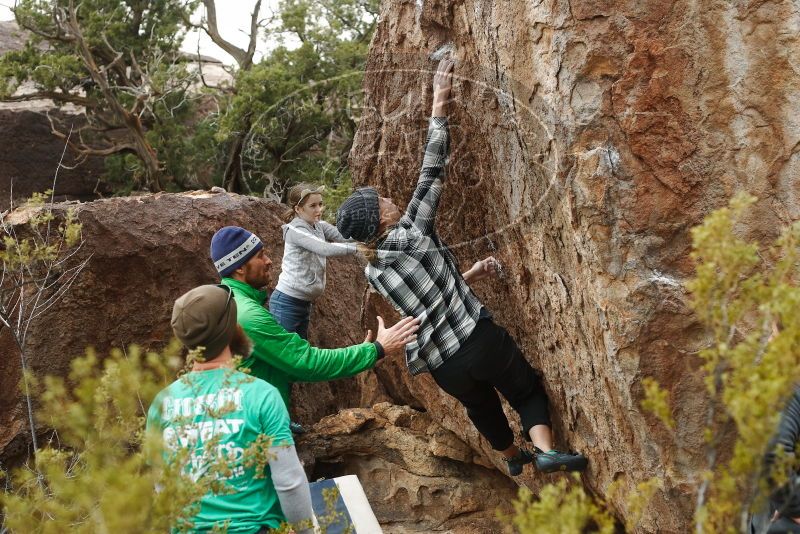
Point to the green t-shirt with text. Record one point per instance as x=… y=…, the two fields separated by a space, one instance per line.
x=235 y=408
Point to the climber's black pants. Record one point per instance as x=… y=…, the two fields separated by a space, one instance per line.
x=489 y=360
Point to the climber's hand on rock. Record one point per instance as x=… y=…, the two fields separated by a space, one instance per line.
x=396 y=338
x=442 y=83
x=481 y=269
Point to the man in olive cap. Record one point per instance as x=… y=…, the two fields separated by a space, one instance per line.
x=214 y=400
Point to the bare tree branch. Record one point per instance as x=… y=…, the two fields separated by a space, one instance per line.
x=254 y=23
x=140 y=144
x=85 y=150
x=59 y=36
x=244 y=58
x=76 y=271
x=115 y=63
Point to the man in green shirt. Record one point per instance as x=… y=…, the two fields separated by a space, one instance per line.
x=216 y=414
x=278 y=356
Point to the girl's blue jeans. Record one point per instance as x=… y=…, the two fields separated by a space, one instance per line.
x=291 y=313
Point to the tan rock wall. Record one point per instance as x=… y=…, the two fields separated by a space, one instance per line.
x=588 y=137
x=418 y=477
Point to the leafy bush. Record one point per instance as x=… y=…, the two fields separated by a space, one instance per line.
x=99 y=471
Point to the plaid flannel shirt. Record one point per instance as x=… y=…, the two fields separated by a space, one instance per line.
x=416 y=271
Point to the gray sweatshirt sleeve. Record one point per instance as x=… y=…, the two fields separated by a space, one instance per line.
x=292 y=486
x=304 y=239
x=332 y=233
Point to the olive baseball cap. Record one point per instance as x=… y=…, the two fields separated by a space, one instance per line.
x=205 y=317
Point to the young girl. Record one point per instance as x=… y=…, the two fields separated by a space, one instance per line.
x=309 y=241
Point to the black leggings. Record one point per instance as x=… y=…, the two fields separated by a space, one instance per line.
x=489 y=360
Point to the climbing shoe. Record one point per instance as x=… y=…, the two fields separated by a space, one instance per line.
x=516 y=463
x=296 y=428
x=553 y=460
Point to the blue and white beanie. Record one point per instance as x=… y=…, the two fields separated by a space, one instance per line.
x=231 y=247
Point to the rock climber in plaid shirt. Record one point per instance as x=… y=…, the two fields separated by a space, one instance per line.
x=469 y=356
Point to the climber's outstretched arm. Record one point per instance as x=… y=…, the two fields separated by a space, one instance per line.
x=425 y=201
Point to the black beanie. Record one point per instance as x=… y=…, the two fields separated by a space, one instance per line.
x=359 y=216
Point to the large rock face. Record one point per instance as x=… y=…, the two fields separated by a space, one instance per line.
x=588 y=137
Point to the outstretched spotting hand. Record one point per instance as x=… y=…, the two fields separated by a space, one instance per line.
x=442 y=83
x=396 y=338
x=481 y=269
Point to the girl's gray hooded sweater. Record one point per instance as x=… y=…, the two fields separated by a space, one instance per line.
x=303 y=267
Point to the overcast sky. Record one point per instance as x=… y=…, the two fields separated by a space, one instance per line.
x=233 y=19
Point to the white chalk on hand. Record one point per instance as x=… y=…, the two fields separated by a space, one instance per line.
x=442 y=51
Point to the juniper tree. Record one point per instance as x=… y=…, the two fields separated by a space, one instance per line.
x=297 y=106
x=118 y=60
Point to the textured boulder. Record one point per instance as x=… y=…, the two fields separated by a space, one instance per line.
x=588 y=137
x=418 y=477
x=11 y=37
x=143 y=253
